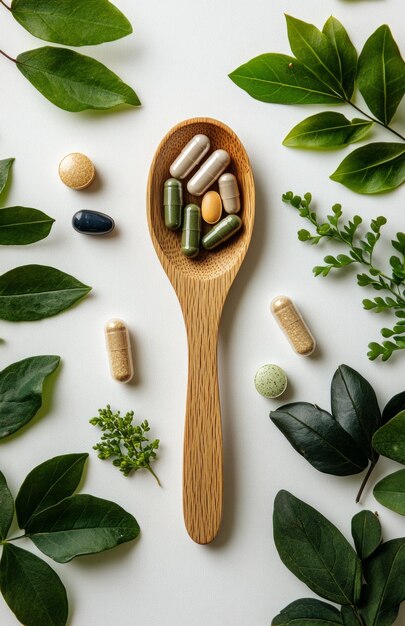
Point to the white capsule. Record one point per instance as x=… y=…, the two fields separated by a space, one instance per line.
x=190 y=156
x=229 y=192
x=208 y=173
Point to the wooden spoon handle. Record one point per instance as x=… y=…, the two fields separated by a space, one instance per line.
x=202 y=461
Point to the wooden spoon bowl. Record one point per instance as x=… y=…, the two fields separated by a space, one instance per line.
x=201 y=285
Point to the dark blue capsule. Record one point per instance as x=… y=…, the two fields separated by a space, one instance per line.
x=92 y=223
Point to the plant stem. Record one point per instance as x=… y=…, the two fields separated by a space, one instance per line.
x=367 y=476
x=373 y=119
x=5 y=5
x=153 y=474
x=6 y=55
x=19 y=536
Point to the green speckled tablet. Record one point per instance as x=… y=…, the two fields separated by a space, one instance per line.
x=270 y=381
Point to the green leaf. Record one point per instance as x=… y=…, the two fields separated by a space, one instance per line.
x=384 y=572
x=316 y=52
x=32 y=590
x=394 y=406
x=381 y=74
x=74 y=82
x=373 y=168
x=80 y=524
x=349 y=616
x=389 y=440
x=346 y=53
x=354 y=405
x=308 y=612
x=33 y=292
x=366 y=533
x=281 y=79
x=5 y=166
x=315 y=550
x=6 y=508
x=21 y=391
x=320 y=439
x=20 y=225
x=326 y=131
x=47 y=484
x=72 y=22
x=390 y=492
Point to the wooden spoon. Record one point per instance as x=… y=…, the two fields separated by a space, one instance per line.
x=201 y=285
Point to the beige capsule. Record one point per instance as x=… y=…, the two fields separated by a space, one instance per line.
x=293 y=325
x=211 y=207
x=229 y=191
x=119 y=350
x=190 y=156
x=208 y=173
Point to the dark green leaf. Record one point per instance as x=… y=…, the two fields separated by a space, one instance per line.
x=72 y=22
x=394 y=406
x=326 y=131
x=21 y=391
x=320 y=439
x=308 y=612
x=346 y=52
x=5 y=166
x=6 y=507
x=47 y=484
x=349 y=617
x=315 y=550
x=384 y=572
x=20 y=225
x=373 y=168
x=366 y=533
x=33 y=292
x=381 y=74
x=354 y=405
x=281 y=79
x=316 y=52
x=80 y=524
x=32 y=590
x=389 y=440
x=74 y=82
x=390 y=492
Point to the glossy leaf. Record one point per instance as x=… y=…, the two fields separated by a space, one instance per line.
x=384 y=572
x=74 y=82
x=72 y=22
x=6 y=508
x=373 y=168
x=315 y=550
x=32 y=590
x=21 y=225
x=381 y=74
x=394 y=406
x=354 y=405
x=282 y=79
x=366 y=533
x=79 y=525
x=326 y=131
x=349 y=617
x=47 y=484
x=33 y=292
x=320 y=439
x=346 y=53
x=314 y=49
x=390 y=492
x=5 y=166
x=21 y=391
x=308 y=612
x=389 y=440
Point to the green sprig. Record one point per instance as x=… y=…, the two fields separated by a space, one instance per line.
x=360 y=251
x=125 y=442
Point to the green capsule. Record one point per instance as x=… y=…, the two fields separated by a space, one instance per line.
x=221 y=231
x=173 y=202
x=190 y=238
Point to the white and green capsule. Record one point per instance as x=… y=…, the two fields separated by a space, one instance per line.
x=221 y=232
x=190 y=237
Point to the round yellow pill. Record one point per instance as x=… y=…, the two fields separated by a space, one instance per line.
x=76 y=170
x=211 y=207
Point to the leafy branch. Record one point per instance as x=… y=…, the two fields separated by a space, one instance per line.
x=125 y=442
x=325 y=70
x=360 y=252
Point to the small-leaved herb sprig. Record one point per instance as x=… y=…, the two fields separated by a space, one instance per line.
x=125 y=442
x=361 y=249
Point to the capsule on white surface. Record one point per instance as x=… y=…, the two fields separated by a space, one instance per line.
x=208 y=172
x=190 y=156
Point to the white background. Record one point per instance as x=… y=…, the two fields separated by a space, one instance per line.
x=177 y=61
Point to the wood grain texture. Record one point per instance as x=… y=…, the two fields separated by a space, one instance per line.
x=201 y=285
